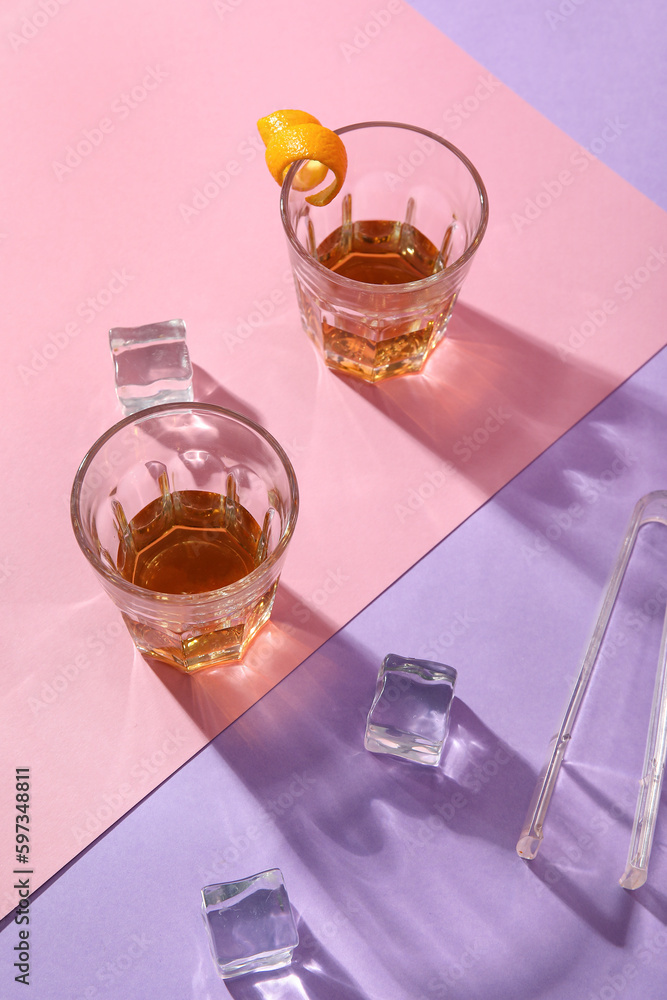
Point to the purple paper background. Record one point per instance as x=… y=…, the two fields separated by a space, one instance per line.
x=581 y=63
x=405 y=880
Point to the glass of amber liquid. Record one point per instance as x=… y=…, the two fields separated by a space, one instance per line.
x=378 y=270
x=185 y=511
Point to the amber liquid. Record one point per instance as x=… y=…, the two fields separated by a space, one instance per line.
x=194 y=542
x=189 y=545
x=381 y=253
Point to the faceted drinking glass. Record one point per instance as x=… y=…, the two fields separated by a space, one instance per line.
x=378 y=270
x=185 y=512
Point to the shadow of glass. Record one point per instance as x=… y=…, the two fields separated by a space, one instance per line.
x=483 y=376
x=206 y=389
x=318 y=720
x=309 y=733
x=215 y=696
x=578 y=475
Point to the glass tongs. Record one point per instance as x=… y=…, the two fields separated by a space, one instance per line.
x=651 y=508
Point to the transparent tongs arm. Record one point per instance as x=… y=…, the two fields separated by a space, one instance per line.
x=650 y=786
x=533 y=828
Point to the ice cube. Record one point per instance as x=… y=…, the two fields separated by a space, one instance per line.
x=152 y=365
x=409 y=716
x=250 y=924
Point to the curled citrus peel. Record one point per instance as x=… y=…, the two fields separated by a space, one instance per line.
x=292 y=135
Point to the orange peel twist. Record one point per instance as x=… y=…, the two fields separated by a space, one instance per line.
x=291 y=135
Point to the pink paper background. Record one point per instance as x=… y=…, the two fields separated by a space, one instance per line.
x=139 y=231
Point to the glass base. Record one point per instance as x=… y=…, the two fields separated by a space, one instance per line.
x=352 y=353
x=373 y=373
x=210 y=647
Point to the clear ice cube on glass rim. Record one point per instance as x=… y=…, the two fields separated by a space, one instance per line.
x=151 y=365
x=409 y=717
x=250 y=924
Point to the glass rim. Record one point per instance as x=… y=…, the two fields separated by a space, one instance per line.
x=350 y=283
x=205 y=596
